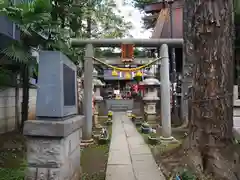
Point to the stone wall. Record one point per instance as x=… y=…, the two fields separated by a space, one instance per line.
x=7 y=107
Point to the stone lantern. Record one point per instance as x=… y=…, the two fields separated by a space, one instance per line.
x=150 y=98
x=97 y=83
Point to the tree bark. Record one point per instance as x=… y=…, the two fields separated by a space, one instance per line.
x=25 y=95
x=17 y=115
x=209 y=44
x=188 y=58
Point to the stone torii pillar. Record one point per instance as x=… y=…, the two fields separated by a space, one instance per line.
x=88 y=86
x=165 y=95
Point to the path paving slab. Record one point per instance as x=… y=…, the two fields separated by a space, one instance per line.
x=120 y=172
x=115 y=160
x=129 y=156
x=141 y=149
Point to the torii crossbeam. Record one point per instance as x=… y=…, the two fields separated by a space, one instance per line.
x=118 y=42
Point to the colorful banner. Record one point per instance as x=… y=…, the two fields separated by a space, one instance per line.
x=121 y=75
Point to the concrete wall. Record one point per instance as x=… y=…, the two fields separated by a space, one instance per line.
x=7 y=107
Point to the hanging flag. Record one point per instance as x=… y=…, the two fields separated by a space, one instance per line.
x=133 y=74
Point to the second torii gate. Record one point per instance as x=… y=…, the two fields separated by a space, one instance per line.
x=89 y=44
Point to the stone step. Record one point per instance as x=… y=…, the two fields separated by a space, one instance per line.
x=236 y=111
x=236 y=122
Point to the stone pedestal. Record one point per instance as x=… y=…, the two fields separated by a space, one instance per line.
x=95 y=119
x=150 y=118
x=150 y=112
x=53 y=151
x=96 y=113
x=98 y=84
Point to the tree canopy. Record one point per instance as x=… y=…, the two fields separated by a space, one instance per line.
x=58 y=20
x=49 y=25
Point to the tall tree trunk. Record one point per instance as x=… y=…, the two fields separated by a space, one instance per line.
x=89 y=27
x=175 y=116
x=188 y=59
x=89 y=20
x=25 y=98
x=17 y=115
x=211 y=47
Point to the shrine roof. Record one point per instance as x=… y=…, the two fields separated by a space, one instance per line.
x=162 y=26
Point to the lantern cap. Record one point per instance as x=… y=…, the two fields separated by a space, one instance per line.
x=151 y=98
x=98 y=82
x=148 y=74
x=98 y=98
x=150 y=82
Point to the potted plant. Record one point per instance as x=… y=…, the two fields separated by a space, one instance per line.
x=110 y=114
x=109 y=121
x=133 y=117
x=152 y=138
x=129 y=114
x=186 y=174
x=145 y=128
x=138 y=122
x=104 y=136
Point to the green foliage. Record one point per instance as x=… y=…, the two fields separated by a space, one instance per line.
x=145 y=125
x=28 y=16
x=105 y=21
x=18 y=52
x=56 y=21
x=237 y=7
x=187 y=175
x=5 y=77
x=237 y=11
x=13 y=173
x=153 y=135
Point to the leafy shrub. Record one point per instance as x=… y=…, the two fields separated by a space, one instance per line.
x=187 y=175
x=13 y=173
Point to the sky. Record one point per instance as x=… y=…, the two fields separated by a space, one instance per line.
x=133 y=15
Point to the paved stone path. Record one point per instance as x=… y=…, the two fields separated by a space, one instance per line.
x=129 y=156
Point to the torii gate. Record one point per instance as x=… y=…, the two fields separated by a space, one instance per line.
x=89 y=44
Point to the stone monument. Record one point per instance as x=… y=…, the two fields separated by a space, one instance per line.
x=98 y=84
x=53 y=150
x=150 y=98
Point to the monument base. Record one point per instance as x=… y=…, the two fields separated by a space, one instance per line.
x=53 y=150
x=169 y=140
x=96 y=122
x=85 y=143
